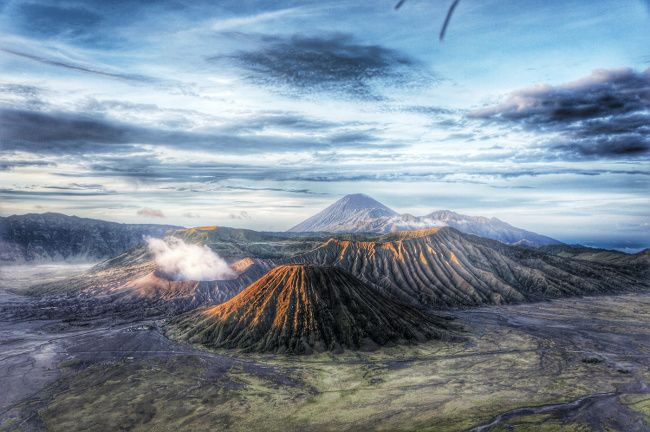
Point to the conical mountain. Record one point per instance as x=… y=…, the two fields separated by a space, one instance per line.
x=301 y=309
x=349 y=214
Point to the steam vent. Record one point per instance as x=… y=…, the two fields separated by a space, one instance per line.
x=301 y=309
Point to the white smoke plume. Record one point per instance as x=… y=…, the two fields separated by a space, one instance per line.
x=183 y=261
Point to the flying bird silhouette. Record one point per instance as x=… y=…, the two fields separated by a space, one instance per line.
x=450 y=12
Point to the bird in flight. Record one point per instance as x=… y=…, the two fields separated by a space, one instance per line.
x=450 y=12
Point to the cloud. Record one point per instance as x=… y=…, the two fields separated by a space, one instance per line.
x=6 y=165
x=28 y=95
x=242 y=215
x=280 y=120
x=204 y=175
x=183 y=261
x=65 y=133
x=238 y=22
x=151 y=213
x=334 y=63
x=605 y=115
x=77 y=67
x=275 y=189
x=191 y=215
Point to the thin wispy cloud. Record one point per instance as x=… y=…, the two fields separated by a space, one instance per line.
x=150 y=213
x=76 y=66
x=239 y=22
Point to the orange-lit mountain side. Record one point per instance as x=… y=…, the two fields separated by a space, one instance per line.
x=302 y=309
x=445 y=268
x=136 y=277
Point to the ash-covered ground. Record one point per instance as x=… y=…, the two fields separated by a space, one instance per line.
x=570 y=364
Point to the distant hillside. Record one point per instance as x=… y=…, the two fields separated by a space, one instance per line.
x=57 y=237
x=607 y=256
x=236 y=243
x=360 y=213
x=443 y=267
x=437 y=267
x=300 y=309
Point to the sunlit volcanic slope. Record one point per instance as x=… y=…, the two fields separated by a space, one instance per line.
x=443 y=267
x=301 y=309
x=133 y=279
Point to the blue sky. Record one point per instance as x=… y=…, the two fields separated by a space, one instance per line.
x=257 y=114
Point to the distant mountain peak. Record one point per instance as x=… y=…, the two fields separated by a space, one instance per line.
x=360 y=201
x=347 y=214
x=359 y=213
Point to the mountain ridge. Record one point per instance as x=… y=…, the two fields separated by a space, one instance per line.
x=445 y=268
x=47 y=237
x=368 y=215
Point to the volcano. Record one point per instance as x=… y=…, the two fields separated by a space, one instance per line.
x=359 y=213
x=352 y=213
x=300 y=309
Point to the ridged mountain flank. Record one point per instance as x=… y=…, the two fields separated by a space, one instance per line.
x=300 y=309
x=443 y=267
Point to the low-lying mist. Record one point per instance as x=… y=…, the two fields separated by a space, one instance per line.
x=183 y=261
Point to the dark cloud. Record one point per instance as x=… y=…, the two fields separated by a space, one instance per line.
x=31 y=193
x=28 y=95
x=606 y=115
x=150 y=212
x=61 y=133
x=280 y=120
x=612 y=146
x=78 y=187
x=147 y=168
x=74 y=133
x=274 y=189
x=335 y=63
x=6 y=165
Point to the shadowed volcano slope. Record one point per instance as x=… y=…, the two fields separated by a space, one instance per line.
x=445 y=268
x=300 y=309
